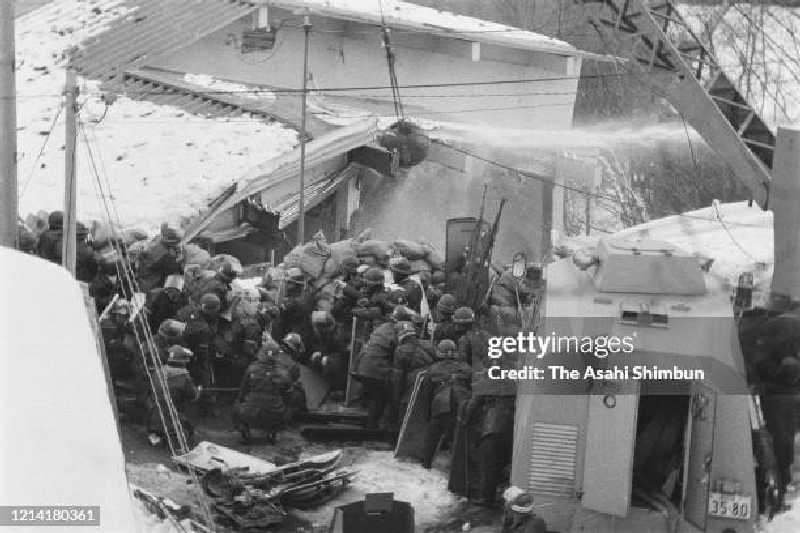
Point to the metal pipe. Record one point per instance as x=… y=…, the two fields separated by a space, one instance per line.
x=8 y=128
x=301 y=208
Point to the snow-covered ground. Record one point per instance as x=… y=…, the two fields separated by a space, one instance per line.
x=161 y=162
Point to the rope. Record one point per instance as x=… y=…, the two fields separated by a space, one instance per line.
x=125 y=272
x=398 y=104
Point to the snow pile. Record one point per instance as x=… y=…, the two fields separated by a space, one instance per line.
x=62 y=446
x=738 y=238
x=161 y=162
x=213 y=84
x=426 y=490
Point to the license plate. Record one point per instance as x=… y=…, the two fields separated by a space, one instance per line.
x=729 y=506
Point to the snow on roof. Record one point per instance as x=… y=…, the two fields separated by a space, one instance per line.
x=405 y=15
x=161 y=162
x=737 y=237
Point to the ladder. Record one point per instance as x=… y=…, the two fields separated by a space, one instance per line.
x=651 y=39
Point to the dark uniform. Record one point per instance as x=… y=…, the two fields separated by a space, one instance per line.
x=260 y=404
x=295 y=398
x=410 y=358
x=164 y=303
x=183 y=391
x=374 y=371
x=330 y=341
x=779 y=402
x=156 y=263
x=495 y=416
x=450 y=380
x=50 y=241
x=473 y=348
x=294 y=314
x=372 y=311
x=445 y=330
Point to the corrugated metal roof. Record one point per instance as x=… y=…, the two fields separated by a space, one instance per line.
x=154 y=28
x=314 y=194
x=169 y=87
x=279 y=174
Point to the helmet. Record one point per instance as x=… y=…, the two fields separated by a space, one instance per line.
x=227 y=272
x=405 y=330
x=518 y=500
x=295 y=276
x=179 y=355
x=398 y=296
x=374 y=276
x=402 y=313
x=121 y=307
x=437 y=277
x=81 y=231
x=170 y=235
x=349 y=264
x=446 y=305
x=400 y=266
x=55 y=220
x=424 y=277
x=463 y=315
x=446 y=349
x=171 y=329
x=294 y=342
x=210 y=302
x=270 y=346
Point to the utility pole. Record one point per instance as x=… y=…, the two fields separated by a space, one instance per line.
x=70 y=188
x=301 y=208
x=8 y=128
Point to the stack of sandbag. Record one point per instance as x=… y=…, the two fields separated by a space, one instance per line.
x=320 y=261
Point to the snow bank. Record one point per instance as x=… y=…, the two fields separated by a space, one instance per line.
x=379 y=471
x=737 y=237
x=59 y=442
x=161 y=162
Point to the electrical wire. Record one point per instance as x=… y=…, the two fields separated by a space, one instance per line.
x=41 y=152
x=125 y=272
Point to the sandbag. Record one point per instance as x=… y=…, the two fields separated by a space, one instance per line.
x=409 y=249
x=434 y=257
x=343 y=249
x=218 y=260
x=374 y=248
x=194 y=255
x=420 y=265
x=133 y=235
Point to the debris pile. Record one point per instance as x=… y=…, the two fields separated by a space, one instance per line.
x=247 y=493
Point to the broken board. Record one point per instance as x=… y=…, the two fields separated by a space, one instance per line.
x=315 y=386
x=415 y=422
